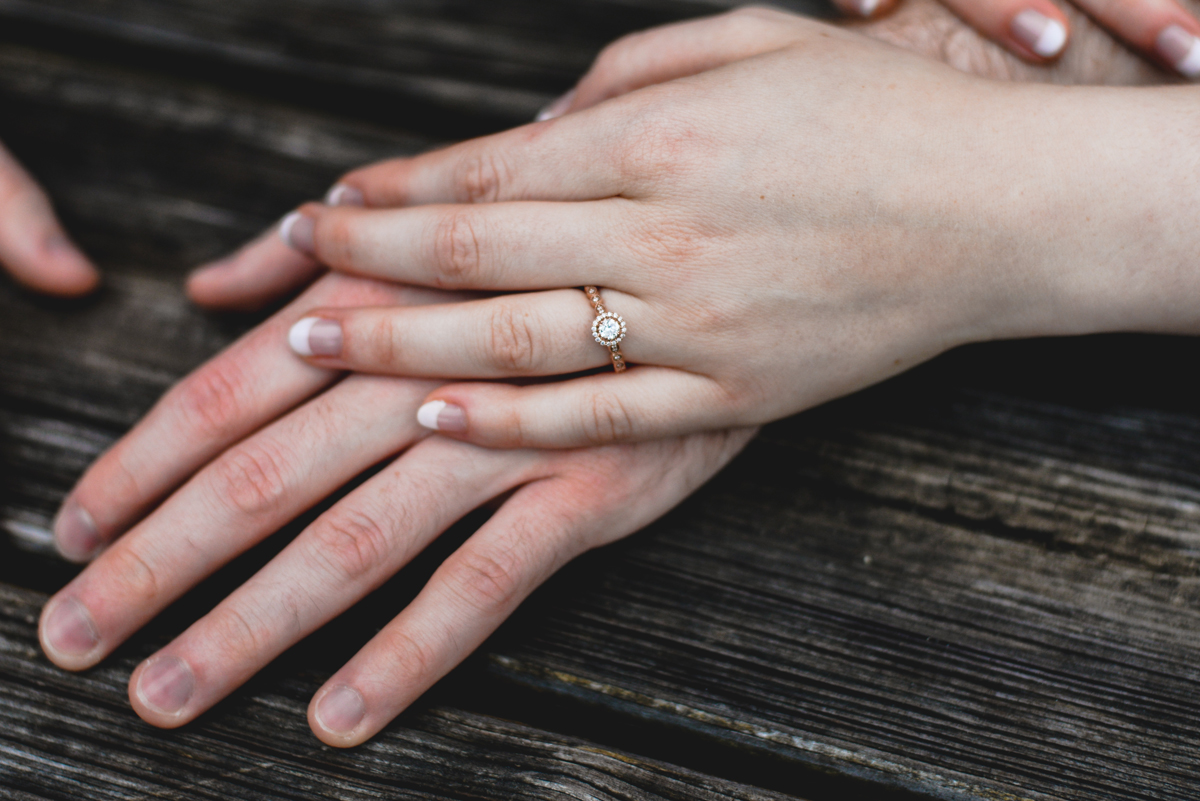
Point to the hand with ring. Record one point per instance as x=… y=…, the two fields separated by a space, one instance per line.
x=776 y=232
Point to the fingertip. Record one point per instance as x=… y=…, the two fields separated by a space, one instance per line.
x=1039 y=33
x=68 y=634
x=1180 y=49
x=337 y=714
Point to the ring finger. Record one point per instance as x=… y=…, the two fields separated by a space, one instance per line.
x=530 y=334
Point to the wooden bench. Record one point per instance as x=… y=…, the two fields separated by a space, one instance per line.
x=976 y=581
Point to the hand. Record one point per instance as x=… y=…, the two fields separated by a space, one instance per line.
x=266 y=270
x=1037 y=30
x=33 y=247
x=776 y=232
x=256 y=437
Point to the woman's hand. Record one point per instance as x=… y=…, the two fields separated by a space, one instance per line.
x=33 y=247
x=776 y=232
x=256 y=437
x=1038 y=30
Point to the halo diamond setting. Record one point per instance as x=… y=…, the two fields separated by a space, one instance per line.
x=608 y=329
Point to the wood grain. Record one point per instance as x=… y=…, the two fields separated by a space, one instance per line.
x=70 y=737
x=977 y=581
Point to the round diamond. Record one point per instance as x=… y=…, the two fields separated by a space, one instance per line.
x=609 y=329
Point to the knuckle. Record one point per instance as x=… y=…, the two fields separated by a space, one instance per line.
x=662 y=145
x=606 y=420
x=482 y=177
x=134 y=574
x=253 y=477
x=211 y=400
x=485 y=579
x=336 y=239
x=413 y=659
x=457 y=255
x=238 y=635
x=511 y=340
x=353 y=543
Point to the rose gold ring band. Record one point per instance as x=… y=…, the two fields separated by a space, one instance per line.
x=608 y=329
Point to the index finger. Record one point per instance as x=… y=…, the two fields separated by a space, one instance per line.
x=569 y=158
x=233 y=395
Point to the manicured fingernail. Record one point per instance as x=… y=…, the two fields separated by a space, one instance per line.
x=442 y=416
x=1179 y=49
x=1039 y=33
x=313 y=336
x=341 y=709
x=342 y=195
x=75 y=534
x=557 y=108
x=166 y=685
x=865 y=7
x=70 y=630
x=297 y=231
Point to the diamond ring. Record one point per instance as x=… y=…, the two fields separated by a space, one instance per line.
x=608 y=329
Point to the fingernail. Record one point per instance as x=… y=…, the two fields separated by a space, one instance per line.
x=297 y=231
x=1179 y=49
x=70 y=630
x=442 y=416
x=865 y=7
x=342 y=195
x=1039 y=33
x=313 y=336
x=557 y=108
x=341 y=709
x=166 y=685
x=75 y=534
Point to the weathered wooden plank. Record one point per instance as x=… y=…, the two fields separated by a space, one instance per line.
x=960 y=592
x=70 y=737
x=427 y=64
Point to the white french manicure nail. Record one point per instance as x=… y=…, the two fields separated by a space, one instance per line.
x=865 y=7
x=1039 y=33
x=1180 y=49
x=314 y=336
x=298 y=231
x=342 y=195
x=441 y=416
x=557 y=108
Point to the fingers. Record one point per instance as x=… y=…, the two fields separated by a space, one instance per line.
x=1033 y=29
x=348 y=552
x=534 y=334
x=578 y=160
x=33 y=246
x=262 y=271
x=1159 y=28
x=250 y=384
x=639 y=404
x=676 y=51
x=520 y=245
x=591 y=498
x=230 y=505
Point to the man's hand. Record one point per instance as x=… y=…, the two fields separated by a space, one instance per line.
x=33 y=247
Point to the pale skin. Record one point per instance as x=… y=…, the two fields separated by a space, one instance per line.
x=778 y=231
x=258 y=435
x=1158 y=29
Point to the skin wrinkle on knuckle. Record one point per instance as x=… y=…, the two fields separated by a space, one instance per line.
x=210 y=401
x=605 y=420
x=352 y=543
x=512 y=343
x=253 y=477
x=482 y=177
x=240 y=640
x=485 y=578
x=457 y=254
x=410 y=660
x=133 y=574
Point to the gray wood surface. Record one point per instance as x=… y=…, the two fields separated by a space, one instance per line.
x=976 y=581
